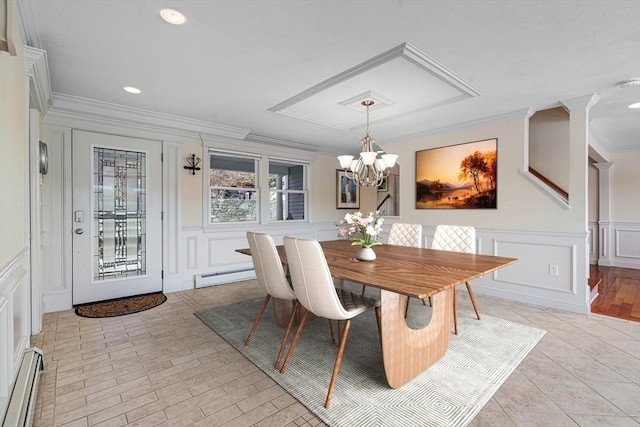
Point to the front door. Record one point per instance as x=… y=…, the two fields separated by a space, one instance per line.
x=117 y=216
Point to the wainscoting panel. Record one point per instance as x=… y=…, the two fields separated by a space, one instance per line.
x=627 y=244
x=619 y=244
x=208 y=253
x=532 y=279
x=593 y=242
x=14 y=321
x=5 y=348
x=534 y=266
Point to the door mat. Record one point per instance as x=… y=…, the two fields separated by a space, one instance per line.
x=120 y=306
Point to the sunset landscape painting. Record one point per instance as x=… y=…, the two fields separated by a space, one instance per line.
x=463 y=176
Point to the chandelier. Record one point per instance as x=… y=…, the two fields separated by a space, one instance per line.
x=369 y=170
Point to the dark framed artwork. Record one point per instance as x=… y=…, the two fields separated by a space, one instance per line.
x=347 y=192
x=462 y=176
x=384 y=185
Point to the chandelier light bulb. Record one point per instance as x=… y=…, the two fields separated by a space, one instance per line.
x=345 y=161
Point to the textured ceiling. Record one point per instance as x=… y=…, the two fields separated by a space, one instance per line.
x=284 y=69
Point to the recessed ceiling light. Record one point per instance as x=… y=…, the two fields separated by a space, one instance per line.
x=172 y=16
x=132 y=89
x=635 y=105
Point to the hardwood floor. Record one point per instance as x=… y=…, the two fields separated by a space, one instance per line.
x=619 y=292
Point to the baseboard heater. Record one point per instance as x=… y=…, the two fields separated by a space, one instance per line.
x=23 y=396
x=220 y=277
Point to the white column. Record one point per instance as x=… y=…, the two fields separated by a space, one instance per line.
x=604 y=212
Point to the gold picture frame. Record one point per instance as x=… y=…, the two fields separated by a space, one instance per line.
x=462 y=176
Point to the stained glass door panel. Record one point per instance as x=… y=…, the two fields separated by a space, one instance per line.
x=119 y=186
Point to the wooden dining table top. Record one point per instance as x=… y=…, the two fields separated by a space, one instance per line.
x=414 y=272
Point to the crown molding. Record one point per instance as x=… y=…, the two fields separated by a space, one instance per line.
x=281 y=143
x=261 y=145
x=27 y=24
x=518 y=114
x=581 y=102
x=36 y=67
x=73 y=107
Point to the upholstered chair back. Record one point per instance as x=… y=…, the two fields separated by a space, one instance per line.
x=455 y=238
x=312 y=279
x=405 y=235
x=268 y=266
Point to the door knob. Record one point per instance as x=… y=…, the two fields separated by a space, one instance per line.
x=79 y=231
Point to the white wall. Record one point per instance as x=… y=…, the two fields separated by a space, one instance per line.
x=549 y=133
x=625 y=186
x=14 y=217
x=520 y=206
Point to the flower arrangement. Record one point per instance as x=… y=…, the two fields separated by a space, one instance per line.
x=367 y=227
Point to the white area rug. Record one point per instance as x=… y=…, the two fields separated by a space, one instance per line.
x=450 y=393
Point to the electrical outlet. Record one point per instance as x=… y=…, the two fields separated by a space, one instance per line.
x=553 y=270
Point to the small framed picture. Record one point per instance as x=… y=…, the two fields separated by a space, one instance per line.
x=347 y=192
x=383 y=186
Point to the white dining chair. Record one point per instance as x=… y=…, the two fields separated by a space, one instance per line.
x=313 y=285
x=271 y=276
x=457 y=239
x=404 y=235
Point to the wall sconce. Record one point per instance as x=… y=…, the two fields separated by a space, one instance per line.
x=192 y=163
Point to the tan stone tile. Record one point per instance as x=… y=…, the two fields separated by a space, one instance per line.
x=150 y=420
x=223 y=401
x=492 y=419
x=122 y=408
x=604 y=421
x=158 y=406
x=260 y=398
x=117 y=421
x=86 y=410
x=284 y=416
x=252 y=417
x=85 y=391
x=528 y=419
x=575 y=397
x=221 y=417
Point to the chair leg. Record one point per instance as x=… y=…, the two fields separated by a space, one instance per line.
x=292 y=347
x=406 y=308
x=455 y=310
x=430 y=302
x=296 y=309
x=473 y=300
x=333 y=335
x=258 y=318
x=364 y=288
x=336 y=367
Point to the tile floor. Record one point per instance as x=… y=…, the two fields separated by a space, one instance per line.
x=164 y=367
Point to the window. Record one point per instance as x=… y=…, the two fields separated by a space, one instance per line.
x=233 y=188
x=287 y=190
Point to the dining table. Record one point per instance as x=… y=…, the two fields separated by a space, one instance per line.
x=402 y=272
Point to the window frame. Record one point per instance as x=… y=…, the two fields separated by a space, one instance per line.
x=304 y=191
x=208 y=188
x=263 y=155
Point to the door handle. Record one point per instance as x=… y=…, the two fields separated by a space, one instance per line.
x=79 y=231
